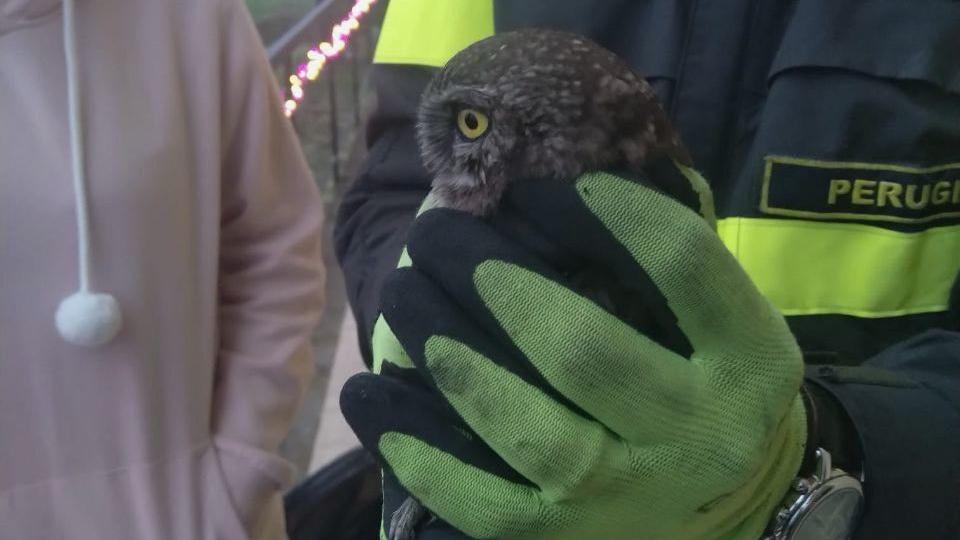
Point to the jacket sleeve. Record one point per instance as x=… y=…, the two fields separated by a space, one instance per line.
x=270 y=278
x=905 y=406
x=381 y=203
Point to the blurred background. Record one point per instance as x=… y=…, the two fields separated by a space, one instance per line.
x=329 y=120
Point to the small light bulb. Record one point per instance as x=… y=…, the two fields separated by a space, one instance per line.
x=318 y=55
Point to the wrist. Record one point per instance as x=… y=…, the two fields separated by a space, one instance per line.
x=830 y=428
x=783 y=465
x=825 y=498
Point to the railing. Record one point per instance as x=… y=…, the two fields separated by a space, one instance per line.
x=287 y=52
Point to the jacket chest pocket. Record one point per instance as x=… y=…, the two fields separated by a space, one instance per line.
x=861 y=83
x=848 y=201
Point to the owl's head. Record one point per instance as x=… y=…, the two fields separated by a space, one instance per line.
x=533 y=104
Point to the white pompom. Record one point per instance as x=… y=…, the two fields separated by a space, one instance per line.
x=89 y=319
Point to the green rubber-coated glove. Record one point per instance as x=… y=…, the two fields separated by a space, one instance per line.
x=690 y=427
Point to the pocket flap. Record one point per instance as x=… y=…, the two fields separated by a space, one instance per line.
x=890 y=39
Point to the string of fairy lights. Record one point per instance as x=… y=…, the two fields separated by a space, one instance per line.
x=319 y=55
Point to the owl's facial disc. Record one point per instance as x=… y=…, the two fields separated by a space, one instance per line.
x=471 y=127
x=465 y=140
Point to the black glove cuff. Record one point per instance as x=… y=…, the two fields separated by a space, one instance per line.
x=830 y=427
x=809 y=462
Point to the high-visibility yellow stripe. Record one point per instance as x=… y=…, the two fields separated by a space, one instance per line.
x=430 y=32
x=813 y=268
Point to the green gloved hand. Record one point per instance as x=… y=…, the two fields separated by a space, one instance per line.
x=693 y=434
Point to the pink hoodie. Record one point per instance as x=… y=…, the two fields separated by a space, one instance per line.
x=203 y=225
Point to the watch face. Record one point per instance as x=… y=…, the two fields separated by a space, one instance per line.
x=832 y=516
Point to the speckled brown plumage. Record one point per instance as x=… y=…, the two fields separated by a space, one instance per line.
x=559 y=105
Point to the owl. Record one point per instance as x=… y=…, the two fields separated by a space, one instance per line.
x=536 y=104
x=540 y=104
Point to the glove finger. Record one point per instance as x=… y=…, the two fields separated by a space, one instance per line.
x=541 y=438
x=377 y=404
x=394 y=403
x=481 y=504
x=416 y=307
x=716 y=304
x=605 y=367
x=448 y=245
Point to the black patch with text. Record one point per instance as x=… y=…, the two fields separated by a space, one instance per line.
x=870 y=192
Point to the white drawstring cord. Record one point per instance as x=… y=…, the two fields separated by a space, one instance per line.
x=84 y=318
x=76 y=144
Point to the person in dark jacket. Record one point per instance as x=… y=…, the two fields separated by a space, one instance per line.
x=830 y=135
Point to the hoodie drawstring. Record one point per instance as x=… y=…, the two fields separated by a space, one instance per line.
x=85 y=317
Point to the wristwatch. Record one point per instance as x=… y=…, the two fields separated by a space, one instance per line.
x=825 y=505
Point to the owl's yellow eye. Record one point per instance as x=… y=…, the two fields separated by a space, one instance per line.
x=472 y=123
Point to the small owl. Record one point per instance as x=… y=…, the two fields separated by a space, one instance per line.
x=536 y=104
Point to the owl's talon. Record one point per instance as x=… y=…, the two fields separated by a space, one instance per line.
x=404 y=521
